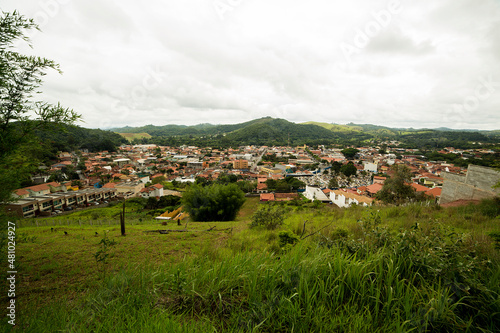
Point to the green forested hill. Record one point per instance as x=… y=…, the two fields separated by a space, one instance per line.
x=264 y=131
x=279 y=131
x=175 y=130
x=271 y=131
x=68 y=138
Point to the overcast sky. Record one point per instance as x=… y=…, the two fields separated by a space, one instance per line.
x=430 y=63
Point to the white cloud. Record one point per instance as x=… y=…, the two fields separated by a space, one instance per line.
x=132 y=63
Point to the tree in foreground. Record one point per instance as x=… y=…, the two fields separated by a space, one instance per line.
x=214 y=202
x=396 y=189
x=20 y=114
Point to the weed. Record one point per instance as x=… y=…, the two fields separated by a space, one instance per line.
x=495 y=235
x=268 y=216
x=287 y=239
x=104 y=252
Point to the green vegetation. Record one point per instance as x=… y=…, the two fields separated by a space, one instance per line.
x=71 y=138
x=463 y=160
x=268 y=216
x=286 y=185
x=349 y=153
x=397 y=189
x=214 y=202
x=385 y=269
x=348 y=169
x=269 y=131
x=336 y=127
x=20 y=115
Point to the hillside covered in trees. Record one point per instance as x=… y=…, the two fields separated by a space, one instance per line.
x=71 y=137
x=271 y=131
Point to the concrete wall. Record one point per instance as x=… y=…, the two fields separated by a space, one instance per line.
x=476 y=185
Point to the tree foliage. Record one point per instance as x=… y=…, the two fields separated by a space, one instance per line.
x=268 y=216
x=349 y=153
x=396 y=189
x=349 y=169
x=20 y=113
x=214 y=202
x=333 y=183
x=289 y=184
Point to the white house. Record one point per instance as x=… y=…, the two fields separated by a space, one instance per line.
x=121 y=162
x=346 y=199
x=315 y=193
x=155 y=191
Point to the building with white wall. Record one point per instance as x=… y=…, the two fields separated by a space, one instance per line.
x=346 y=199
x=315 y=193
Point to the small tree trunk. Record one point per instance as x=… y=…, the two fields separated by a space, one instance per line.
x=122 y=219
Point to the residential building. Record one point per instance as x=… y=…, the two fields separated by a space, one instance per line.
x=240 y=164
x=345 y=199
x=153 y=191
x=315 y=193
x=129 y=189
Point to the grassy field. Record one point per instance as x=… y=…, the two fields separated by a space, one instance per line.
x=398 y=269
x=131 y=136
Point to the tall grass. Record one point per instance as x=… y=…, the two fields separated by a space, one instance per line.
x=369 y=270
x=394 y=286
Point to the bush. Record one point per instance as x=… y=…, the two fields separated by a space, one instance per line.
x=495 y=235
x=287 y=238
x=490 y=207
x=139 y=201
x=213 y=203
x=268 y=216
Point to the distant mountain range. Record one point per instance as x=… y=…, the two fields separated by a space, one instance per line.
x=280 y=131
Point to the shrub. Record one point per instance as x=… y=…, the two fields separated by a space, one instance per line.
x=268 y=216
x=213 y=203
x=490 y=207
x=287 y=238
x=339 y=233
x=495 y=235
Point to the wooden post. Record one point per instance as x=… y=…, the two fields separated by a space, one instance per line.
x=122 y=219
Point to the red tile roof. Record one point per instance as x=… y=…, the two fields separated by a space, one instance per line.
x=419 y=188
x=21 y=192
x=374 y=188
x=435 y=192
x=262 y=186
